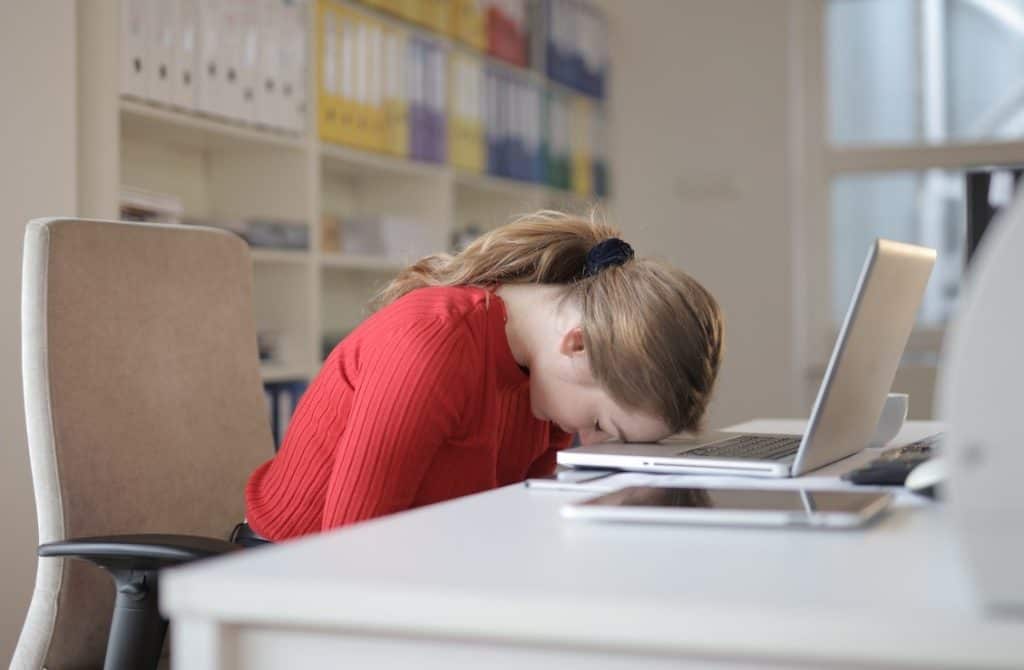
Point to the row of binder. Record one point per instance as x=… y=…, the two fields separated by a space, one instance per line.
x=513 y=111
x=382 y=88
x=565 y=39
x=242 y=60
x=519 y=130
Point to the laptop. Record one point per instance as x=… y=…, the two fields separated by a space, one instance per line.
x=849 y=403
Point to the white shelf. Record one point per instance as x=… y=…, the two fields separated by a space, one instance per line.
x=283 y=256
x=278 y=372
x=339 y=158
x=150 y=121
x=223 y=169
x=361 y=262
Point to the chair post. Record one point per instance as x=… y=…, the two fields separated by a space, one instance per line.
x=137 y=630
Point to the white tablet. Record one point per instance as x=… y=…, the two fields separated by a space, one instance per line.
x=733 y=506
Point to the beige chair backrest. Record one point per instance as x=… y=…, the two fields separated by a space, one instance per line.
x=143 y=400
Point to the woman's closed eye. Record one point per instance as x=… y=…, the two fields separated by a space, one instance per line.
x=593 y=435
x=597 y=427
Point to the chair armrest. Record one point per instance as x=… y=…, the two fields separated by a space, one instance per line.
x=134 y=561
x=138 y=552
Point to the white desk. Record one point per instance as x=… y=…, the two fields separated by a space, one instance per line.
x=499 y=580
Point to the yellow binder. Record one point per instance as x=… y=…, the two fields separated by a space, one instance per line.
x=374 y=130
x=435 y=14
x=327 y=77
x=396 y=107
x=466 y=145
x=468 y=23
x=407 y=9
x=349 y=63
x=352 y=84
x=582 y=182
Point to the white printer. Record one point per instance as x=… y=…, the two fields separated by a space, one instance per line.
x=981 y=398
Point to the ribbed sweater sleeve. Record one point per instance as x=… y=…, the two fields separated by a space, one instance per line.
x=412 y=391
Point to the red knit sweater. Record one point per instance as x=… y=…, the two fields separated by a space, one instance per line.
x=421 y=403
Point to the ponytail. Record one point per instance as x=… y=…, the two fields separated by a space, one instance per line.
x=545 y=247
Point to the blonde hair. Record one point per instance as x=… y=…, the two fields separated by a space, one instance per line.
x=653 y=334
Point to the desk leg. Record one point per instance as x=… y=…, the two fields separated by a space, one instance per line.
x=202 y=644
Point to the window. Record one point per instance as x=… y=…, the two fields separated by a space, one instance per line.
x=924 y=71
x=920 y=207
x=917 y=91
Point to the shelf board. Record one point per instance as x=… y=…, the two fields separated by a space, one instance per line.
x=281 y=372
x=511 y=68
x=361 y=262
x=263 y=255
x=566 y=90
x=347 y=160
x=501 y=186
x=142 y=119
x=513 y=188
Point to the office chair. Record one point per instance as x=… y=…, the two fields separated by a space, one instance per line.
x=145 y=416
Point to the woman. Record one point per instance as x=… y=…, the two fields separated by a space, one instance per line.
x=476 y=369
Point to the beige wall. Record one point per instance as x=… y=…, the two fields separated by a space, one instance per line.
x=37 y=178
x=699 y=152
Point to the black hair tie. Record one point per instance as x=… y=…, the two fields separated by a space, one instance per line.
x=612 y=251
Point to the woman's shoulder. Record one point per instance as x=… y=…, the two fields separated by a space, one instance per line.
x=422 y=323
x=429 y=313
x=451 y=304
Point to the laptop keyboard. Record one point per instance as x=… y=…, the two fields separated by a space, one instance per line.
x=750 y=447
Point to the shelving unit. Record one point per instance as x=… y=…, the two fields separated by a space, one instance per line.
x=223 y=170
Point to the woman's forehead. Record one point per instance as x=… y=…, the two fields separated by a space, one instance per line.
x=633 y=425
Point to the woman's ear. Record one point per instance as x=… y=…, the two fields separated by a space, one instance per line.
x=572 y=342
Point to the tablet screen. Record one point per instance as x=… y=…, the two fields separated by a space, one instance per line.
x=738 y=499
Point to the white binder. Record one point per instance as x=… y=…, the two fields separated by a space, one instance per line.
x=439 y=121
x=375 y=76
x=248 y=14
x=211 y=71
x=268 y=72
x=134 y=37
x=162 y=18
x=183 y=79
x=394 y=69
x=293 y=65
x=231 y=38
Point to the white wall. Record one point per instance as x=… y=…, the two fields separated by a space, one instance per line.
x=699 y=153
x=37 y=178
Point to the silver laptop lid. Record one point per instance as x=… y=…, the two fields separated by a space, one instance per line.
x=866 y=354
